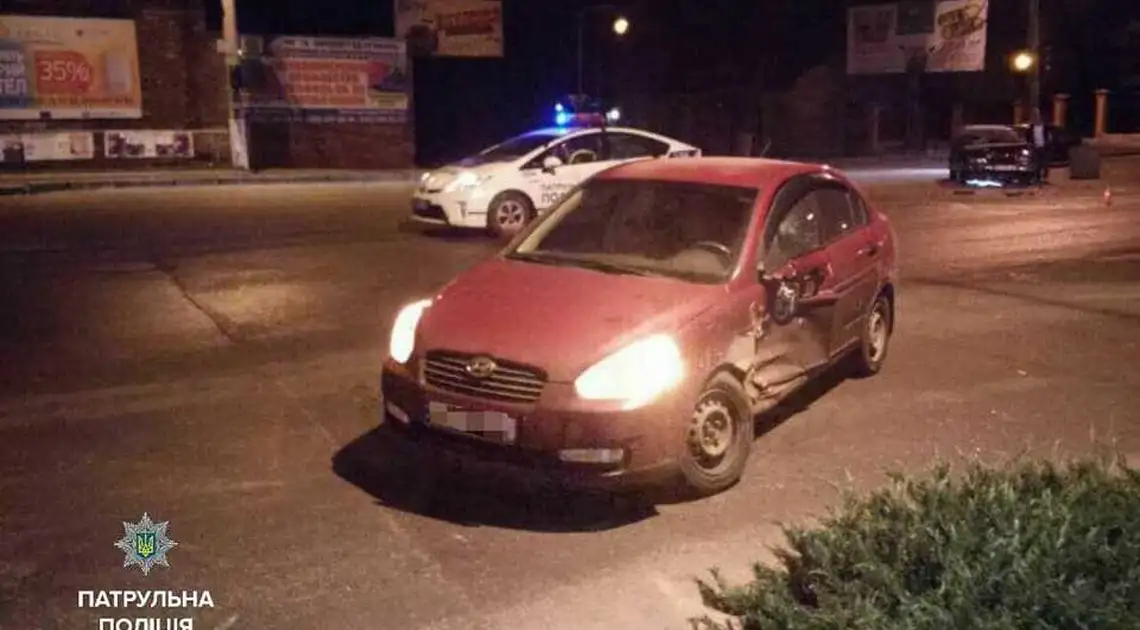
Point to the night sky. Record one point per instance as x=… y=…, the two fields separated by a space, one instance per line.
x=672 y=46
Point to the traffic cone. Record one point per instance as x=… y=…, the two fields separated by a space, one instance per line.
x=1108 y=196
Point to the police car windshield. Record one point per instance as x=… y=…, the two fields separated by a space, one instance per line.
x=512 y=149
x=689 y=231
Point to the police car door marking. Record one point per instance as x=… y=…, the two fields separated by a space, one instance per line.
x=550 y=193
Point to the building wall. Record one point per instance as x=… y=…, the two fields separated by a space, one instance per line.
x=182 y=77
x=185 y=86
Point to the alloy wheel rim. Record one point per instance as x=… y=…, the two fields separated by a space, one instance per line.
x=510 y=215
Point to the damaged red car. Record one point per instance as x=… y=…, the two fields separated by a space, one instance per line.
x=632 y=333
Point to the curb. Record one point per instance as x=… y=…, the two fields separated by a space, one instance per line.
x=49 y=187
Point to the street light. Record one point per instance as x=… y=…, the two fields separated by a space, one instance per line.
x=620 y=27
x=1023 y=60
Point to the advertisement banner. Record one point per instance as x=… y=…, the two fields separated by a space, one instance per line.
x=453 y=28
x=68 y=68
x=148 y=144
x=50 y=146
x=330 y=79
x=884 y=38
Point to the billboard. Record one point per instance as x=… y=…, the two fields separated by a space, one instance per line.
x=330 y=79
x=882 y=38
x=68 y=68
x=452 y=28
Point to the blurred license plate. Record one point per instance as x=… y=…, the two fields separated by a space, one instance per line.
x=490 y=425
x=1005 y=167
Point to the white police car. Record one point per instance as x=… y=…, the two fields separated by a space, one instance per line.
x=503 y=187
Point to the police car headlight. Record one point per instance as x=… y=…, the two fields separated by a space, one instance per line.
x=465 y=181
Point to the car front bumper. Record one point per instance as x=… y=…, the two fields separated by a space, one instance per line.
x=1002 y=173
x=560 y=436
x=456 y=209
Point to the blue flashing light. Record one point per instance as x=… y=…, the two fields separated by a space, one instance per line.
x=558 y=107
x=561 y=118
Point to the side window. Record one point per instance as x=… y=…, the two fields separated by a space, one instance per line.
x=626 y=146
x=797 y=233
x=581 y=149
x=577 y=150
x=838 y=217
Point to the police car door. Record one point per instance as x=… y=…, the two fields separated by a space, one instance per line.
x=582 y=156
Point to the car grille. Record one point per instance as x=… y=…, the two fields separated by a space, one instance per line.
x=510 y=382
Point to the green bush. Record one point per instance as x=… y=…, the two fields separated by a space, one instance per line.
x=1031 y=545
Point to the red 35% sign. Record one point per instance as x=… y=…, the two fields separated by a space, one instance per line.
x=62 y=72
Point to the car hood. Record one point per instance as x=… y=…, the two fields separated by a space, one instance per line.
x=440 y=177
x=559 y=319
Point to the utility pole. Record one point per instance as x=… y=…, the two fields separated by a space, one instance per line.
x=1035 y=50
x=239 y=155
x=581 y=36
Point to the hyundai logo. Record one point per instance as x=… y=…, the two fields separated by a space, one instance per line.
x=481 y=367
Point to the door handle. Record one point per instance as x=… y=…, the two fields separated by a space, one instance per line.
x=869 y=250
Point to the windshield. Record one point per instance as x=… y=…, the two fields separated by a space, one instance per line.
x=682 y=230
x=989 y=135
x=512 y=149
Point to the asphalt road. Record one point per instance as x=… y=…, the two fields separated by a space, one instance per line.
x=210 y=356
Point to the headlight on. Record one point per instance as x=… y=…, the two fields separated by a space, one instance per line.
x=465 y=181
x=403 y=339
x=634 y=375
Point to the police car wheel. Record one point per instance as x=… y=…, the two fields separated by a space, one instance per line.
x=508 y=213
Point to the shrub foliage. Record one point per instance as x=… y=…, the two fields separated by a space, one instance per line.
x=1030 y=545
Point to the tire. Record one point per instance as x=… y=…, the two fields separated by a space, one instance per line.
x=508 y=213
x=712 y=468
x=875 y=341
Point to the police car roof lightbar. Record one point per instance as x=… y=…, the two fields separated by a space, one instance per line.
x=582 y=112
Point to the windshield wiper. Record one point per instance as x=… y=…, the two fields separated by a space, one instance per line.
x=585 y=263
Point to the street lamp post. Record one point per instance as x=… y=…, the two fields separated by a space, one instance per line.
x=620 y=28
x=1034 y=50
x=239 y=157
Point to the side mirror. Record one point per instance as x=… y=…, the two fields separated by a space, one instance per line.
x=783 y=294
x=550 y=163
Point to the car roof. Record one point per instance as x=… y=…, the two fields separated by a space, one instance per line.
x=745 y=172
x=988 y=128
x=572 y=129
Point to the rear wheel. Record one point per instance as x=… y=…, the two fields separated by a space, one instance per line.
x=872 y=351
x=718 y=437
x=508 y=213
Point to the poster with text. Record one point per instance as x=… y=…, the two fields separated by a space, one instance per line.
x=148 y=144
x=68 y=68
x=331 y=79
x=883 y=38
x=47 y=146
x=452 y=28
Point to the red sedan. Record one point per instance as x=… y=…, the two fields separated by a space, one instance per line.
x=632 y=333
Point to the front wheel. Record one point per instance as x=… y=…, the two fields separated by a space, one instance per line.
x=876 y=338
x=718 y=437
x=508 y=213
